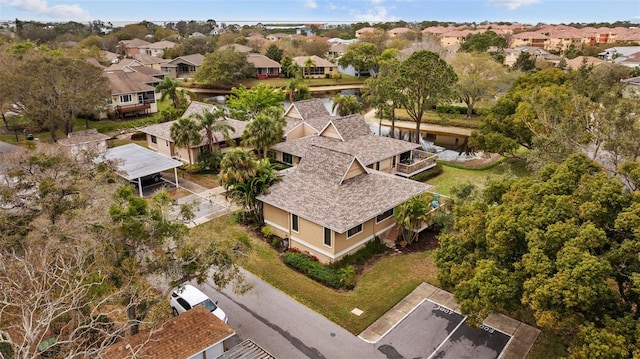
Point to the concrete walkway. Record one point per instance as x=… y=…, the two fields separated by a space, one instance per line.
x=523 y=335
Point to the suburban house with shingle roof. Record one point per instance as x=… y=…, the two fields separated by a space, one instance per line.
x=132 y=47
x=157 y=48
x=352 y=135
x=196 y=333
x=159 y=135
x=305 y=118
x=331 y=204
x=183 y=66
x=322 y=68
x=132 y=92
x=79 y=142
x=265 y=67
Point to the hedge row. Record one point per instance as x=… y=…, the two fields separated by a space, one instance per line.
x=428 y=174
x=312 y=269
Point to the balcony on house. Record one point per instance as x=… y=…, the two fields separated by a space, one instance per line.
x=415 y=161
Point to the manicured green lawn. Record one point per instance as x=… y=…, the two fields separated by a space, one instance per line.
x=378 y=289
x=444 y=119
x=453 y=176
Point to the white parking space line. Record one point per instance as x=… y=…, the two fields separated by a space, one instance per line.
x=447 y=338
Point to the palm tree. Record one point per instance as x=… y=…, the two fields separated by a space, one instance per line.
x=237 y=166
x=169 y=87
x=186 y=133
x=292 y=87
x=346 y=105
x=308 y=64
x=210 y=122
x=245 y=193
x=293 y=70
x=265 y=130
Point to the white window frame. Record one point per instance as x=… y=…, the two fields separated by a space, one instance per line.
x=393 y=211
x=127 y=96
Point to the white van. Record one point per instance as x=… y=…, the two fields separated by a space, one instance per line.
x=187 y=296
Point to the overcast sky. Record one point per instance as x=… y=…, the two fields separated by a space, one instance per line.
x=241 y=11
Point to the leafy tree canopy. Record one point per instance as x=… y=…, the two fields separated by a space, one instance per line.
x=483 y=41
x=224 y=67
x=246 y=103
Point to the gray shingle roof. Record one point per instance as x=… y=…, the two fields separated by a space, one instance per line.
x=84 y=136
x=359 y=141
x=312 y=112
x=163 y=130
x=122 y=82
x=311 y=191
x=261 y=61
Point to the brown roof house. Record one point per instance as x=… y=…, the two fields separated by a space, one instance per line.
x=265 y=67
x=132 y=92
x=322 y=68
x=159 y=135
x=132 y=47
x=331 y=204
x=352 y=135
x=183 y=66
x=80 y=142
x=197 y=333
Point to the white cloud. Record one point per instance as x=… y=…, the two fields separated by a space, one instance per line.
x=311 y=4
x=377 y=14
x=512 y=4
x=41 y=7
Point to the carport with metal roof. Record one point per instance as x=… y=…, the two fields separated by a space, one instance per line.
x=134 y=162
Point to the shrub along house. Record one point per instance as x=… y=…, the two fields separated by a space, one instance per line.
x=352 y=135
x=331 y=204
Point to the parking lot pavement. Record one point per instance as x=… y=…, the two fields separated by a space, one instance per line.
x=443 y=334
x=426 y=324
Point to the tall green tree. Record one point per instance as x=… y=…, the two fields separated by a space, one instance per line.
x=562 y=245
x=53 y=89
x=265 y=130
x=211 y=122
x=345 y=105
x=274 y=53
x=225 y=67
x=525 y=62
x=481 y=42
x=424 y=80
x=246 y=103
x=361 y=55
x=380 y=92
x=186 y=133
x=297 y=90
x=480 y=77
x=245 y=178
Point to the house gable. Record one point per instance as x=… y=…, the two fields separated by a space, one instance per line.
x=355 y=169
x=331 y=131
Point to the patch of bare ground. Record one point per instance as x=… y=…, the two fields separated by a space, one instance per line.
x=480 y=162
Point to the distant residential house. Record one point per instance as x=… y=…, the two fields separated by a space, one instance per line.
x=337 y=50
x=399 y=31
x=194 y=334
x=79 y=142
x=331 y=204
x=322 y=69
x=351 y=134
x=151 y=61
x=132 y=47
x=529 y=38
x=511 y=55
x=630 y=61
x=455 y=37
x=562 y=40
x=132 y=93
x=237 y=48
x=134 y=65
x=631 y=88
x=575 y=63
x=619 y=53
x=156 y=49
x=363 y=31
x=265 y=67
x=183 y=66
x=159 y=135
x=278 y=36
x=247 y=349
